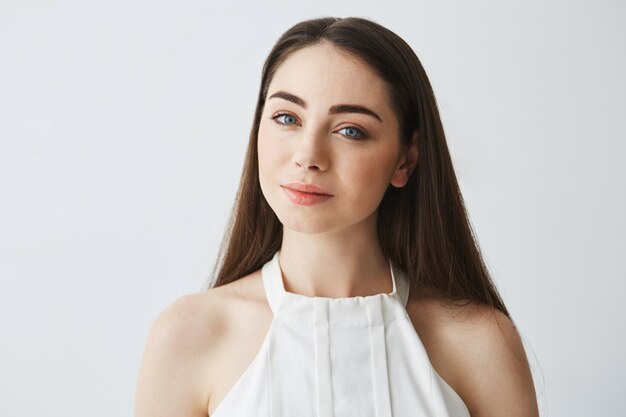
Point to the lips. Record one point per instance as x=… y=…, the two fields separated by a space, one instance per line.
x=304 y=198
x=306 y=188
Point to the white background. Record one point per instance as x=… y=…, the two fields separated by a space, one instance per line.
x=123 y=127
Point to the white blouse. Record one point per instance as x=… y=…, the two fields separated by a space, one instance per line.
x=340 y=357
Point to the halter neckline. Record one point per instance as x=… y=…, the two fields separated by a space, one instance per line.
x=273 y=281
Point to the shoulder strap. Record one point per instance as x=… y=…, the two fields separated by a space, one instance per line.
x=273 y=282
x=400 y=283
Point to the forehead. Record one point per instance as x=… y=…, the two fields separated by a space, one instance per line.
x=323 y=74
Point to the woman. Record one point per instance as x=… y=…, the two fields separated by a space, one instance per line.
x=350 y=283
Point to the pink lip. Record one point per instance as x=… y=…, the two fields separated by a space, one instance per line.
x=305 y=199
x=306 y=188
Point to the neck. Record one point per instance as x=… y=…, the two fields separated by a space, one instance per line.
x=336 y=264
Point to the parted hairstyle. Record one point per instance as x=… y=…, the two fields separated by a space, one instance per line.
x=423 y=227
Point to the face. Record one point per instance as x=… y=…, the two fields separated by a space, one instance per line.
x=351 y=152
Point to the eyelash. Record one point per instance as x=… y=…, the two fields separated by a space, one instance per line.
x=363 y=135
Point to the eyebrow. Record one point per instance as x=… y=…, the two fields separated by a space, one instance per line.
x=336 y=109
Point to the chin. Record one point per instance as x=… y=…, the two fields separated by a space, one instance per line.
x=307 y=223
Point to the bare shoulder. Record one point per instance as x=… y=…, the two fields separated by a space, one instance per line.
x=248 y=316
x=183 y=342
x=478 y=351
x=181 y=339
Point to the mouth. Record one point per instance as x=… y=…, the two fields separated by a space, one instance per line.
x=307 y=188
x=305 y=198
x=305 y=192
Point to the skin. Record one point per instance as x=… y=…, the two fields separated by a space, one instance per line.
x=331 y=249
x=201 y=343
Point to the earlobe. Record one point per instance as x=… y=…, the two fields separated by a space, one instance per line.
x=405 y=169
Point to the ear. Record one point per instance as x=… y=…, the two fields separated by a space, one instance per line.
x=407 y=163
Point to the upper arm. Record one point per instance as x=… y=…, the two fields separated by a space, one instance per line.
x=493 y=375
x=172 y=377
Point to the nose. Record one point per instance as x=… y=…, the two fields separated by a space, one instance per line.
x=310 y=149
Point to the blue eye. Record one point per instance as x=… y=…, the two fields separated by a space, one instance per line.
x=357 y=133
x=281 y=115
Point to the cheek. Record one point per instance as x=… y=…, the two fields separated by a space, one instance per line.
x=364 y=181
x=265 y=150
x=270 y=156
x=370 y=173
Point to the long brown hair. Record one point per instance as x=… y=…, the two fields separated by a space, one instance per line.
x=423 y=227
